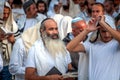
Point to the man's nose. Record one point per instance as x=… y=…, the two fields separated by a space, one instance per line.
x=55 y=31
x=107 y=34
x=6 y=15
x=95 y=14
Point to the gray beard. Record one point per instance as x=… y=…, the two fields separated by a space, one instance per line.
x=54 y=46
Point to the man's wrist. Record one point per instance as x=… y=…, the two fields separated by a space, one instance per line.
x=47 y=77
x=102 y=23
x=87 y=31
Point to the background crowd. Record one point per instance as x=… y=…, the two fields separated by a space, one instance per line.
x=68 y=35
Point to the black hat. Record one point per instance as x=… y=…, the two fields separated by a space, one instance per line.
x=17 y=2
x=27 y=4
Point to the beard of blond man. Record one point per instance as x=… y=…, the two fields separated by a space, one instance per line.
x=54 y=46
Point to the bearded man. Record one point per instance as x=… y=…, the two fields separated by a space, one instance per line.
x=7 y=41
x=47 y=52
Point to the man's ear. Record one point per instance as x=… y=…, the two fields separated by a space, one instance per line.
x=41 y=30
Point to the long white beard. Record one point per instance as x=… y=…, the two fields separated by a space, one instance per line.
x=54 y=46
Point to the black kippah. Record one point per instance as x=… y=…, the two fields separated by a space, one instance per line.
x=27 y=4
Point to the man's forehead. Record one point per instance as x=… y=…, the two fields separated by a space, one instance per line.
x=102 y=29
x=50 y=21
x=81 y=23
x=6 y=8
x=97 y=7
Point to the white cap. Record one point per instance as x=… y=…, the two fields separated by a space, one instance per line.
x=76 y=19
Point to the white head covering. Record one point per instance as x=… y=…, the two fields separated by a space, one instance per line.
x=51 y=11
x=10 y=24
x=100 y=1
x=65 y=27
x=74 y=9
x=57 y=18
x=52 y=3
x=31 y=35
x=76 y=19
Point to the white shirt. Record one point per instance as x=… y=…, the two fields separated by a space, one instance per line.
x=17 y=60
x=39 y=58
x=103 y=60
x=83 y=66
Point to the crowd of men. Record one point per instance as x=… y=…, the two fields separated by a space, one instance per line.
x=50 y=38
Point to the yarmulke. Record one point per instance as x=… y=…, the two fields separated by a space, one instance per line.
x=27 y=4
x=76 y=19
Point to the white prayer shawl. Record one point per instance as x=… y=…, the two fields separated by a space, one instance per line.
x=65 y=27
x=52 y=4
x=44 y=62
x=10 y=23
x=31 y=35
x=57 y=18
x=11 y=26
x=51 y=12
x=74 y=10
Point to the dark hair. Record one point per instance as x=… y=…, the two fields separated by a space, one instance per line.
x=111 y=2
x=17 y=2
x=42 y=27
x=26 y=5
x=40 y=1
x=100 y=4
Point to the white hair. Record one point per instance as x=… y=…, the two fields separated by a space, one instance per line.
x=54 y=46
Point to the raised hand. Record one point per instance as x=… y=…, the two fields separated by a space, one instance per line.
x=92 y=25
x=101 y=20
